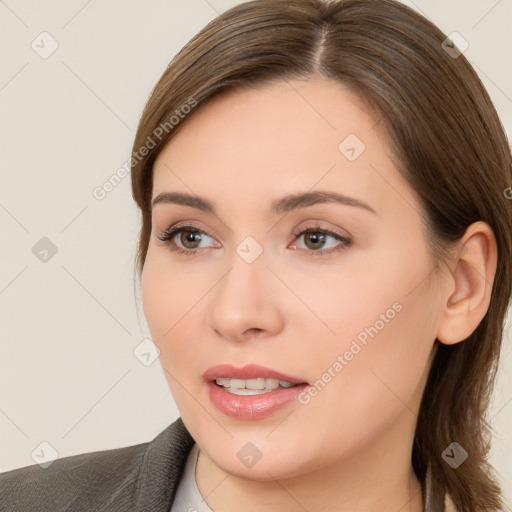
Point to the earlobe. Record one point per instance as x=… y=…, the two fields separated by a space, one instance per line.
x=471 y=277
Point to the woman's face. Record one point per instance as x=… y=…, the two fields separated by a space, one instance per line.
x=351 y=313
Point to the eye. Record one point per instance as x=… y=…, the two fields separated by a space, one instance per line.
x=315 y=238
x=189 y=236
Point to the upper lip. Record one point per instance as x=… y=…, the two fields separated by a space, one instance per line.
x=250 y=371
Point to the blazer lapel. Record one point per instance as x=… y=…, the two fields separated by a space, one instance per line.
x=162 y=468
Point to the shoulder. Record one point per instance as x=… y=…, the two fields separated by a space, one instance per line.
x=83 y=478
x=114 y=480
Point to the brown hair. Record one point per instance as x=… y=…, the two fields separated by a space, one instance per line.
x=447 y=141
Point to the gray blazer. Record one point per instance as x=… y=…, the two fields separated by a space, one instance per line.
x=139 y=478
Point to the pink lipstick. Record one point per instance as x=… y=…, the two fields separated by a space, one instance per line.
x=251 y=392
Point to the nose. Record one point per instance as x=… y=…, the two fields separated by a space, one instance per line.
x=245 y=303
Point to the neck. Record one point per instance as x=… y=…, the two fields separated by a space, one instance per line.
x=377 y=477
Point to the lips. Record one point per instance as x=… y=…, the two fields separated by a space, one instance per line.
x=251 y=407
x=251 y=371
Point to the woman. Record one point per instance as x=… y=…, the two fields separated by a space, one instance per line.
x=325 y=259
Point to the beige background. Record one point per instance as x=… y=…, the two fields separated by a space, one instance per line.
x=69 y=326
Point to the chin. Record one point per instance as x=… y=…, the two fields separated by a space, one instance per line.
x=262 y=471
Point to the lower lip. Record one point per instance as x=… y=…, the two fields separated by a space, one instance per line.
x=252 y=407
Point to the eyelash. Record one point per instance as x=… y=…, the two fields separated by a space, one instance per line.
x=167 y=236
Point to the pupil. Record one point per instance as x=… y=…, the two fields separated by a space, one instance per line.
x=191 y=237
x=319 y=238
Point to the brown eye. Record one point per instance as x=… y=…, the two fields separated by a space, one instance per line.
x=314 y=239
x=185 y=239
x=189 y=238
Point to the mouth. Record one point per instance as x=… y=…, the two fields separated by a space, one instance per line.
x=252 y=377
x=251 y=392
x=256 y=386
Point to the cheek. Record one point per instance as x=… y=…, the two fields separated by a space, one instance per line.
x=381 y=382
x=171 y=301
x=155 y=301
x=383 y=322
x=167 y=294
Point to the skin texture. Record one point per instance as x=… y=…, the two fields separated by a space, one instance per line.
x=349 y=448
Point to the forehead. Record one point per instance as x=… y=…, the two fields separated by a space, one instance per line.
x=287 y=136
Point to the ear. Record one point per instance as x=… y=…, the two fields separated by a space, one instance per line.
x=469 y=284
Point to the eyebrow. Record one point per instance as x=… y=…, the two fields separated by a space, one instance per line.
x=279 y=206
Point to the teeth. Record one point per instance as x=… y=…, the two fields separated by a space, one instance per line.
x=255 y=383
x=237 y=383
x=252 y=386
